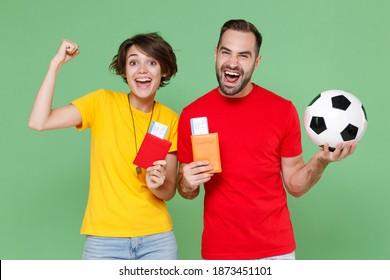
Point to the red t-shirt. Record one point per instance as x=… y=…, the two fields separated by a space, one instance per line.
x=245 y=208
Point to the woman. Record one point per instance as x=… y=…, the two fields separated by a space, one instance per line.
x=126 y=216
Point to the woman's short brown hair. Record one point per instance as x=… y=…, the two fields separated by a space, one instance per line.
x=154 y=46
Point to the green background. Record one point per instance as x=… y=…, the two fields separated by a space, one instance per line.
x=309 y=46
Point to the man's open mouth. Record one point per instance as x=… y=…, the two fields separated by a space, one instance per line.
x=231 y=76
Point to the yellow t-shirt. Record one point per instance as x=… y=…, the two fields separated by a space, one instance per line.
x=119 y=203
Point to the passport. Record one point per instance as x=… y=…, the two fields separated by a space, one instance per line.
x=152 y=148
x=206 y=147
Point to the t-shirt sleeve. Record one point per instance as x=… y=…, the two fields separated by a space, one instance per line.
x=184 y=147
x=88 y=106
x=173 y=135
x=292 y=145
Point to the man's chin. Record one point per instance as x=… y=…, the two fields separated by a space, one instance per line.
x=227 y=90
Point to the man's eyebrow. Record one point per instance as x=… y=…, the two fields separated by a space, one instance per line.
x=225 y=49
x=246 y=53
x=241 y=53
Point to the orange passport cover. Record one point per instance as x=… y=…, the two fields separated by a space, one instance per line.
x=152 y=149
x=206 y=147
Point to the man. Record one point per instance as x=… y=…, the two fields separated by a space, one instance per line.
x=245 y=211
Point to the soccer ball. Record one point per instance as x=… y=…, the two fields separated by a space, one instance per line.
x=335 y=116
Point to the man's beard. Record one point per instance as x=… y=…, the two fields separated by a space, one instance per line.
x=231 y=91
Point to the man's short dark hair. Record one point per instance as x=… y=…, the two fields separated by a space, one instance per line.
x=242 y=26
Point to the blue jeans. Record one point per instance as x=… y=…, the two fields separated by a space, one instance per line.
x=160 y=246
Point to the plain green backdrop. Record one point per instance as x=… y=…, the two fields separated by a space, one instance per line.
x=309 y=46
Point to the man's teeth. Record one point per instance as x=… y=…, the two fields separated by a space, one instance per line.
x=232 y=73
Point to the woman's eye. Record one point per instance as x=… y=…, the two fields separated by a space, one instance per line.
x=132 y=63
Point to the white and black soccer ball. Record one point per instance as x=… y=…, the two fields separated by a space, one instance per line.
x=335 y=116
